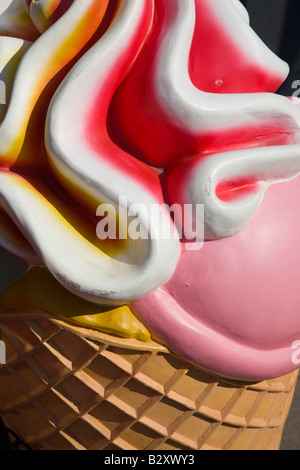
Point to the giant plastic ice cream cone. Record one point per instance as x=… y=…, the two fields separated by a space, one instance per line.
x=149 y=176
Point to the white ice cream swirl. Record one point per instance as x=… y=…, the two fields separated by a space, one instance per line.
x=71 y=139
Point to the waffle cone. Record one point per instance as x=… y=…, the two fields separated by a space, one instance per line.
x=65 y=387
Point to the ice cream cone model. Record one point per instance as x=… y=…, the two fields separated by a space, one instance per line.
x=149 y=177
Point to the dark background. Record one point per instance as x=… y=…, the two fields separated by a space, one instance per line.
x=277 y=22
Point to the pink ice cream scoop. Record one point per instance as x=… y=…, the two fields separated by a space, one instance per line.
x=142 y=104
x=233 y=306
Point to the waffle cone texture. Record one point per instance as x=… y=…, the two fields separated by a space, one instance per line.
x=66 y=388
